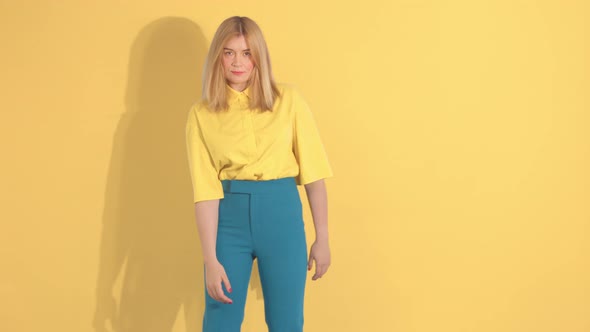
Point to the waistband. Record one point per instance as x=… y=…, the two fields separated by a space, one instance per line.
x=258 y=186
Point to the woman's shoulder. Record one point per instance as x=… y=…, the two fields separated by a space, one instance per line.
x=199 y=111
x=288 y=90
x=200 y=106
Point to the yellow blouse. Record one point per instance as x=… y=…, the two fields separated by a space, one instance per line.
x=243 y=144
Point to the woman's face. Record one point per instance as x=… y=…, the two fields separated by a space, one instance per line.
x=237 y=63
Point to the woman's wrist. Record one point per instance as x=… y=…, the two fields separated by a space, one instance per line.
x=321 y=237
x=210 y=260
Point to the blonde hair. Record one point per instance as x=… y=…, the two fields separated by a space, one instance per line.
x=262 y=87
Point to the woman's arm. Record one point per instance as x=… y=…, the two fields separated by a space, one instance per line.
x=320 y=250
x=207 y=213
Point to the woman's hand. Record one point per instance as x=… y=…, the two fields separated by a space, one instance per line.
x=320 y=253
x=214 y=277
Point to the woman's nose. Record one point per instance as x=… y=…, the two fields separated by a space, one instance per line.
x=237 y=61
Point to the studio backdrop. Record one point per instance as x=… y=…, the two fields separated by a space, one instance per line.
x=458 y=132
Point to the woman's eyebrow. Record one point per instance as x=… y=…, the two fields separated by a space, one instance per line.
x=229 y=49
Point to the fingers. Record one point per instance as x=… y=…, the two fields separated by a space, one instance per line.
x=320 y=270
x=216 y=291
x=226 y=283
x=320 y=253
x=221 y=295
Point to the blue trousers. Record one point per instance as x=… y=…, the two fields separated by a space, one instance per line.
x=261 y=220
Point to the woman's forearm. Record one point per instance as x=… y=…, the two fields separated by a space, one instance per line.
x=317 y=197
x=206 y=214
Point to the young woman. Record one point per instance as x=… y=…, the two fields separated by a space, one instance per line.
x=250 y=142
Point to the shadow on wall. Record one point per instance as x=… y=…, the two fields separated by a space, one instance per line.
x=150 y=259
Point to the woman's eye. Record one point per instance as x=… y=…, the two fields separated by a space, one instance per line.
x=247 y=54
x=228 y=53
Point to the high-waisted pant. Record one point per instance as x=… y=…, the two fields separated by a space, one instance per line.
x=261 y=220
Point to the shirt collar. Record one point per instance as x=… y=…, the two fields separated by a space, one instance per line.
x=234 y=95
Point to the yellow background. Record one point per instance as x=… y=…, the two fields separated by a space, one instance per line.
x=458 y=132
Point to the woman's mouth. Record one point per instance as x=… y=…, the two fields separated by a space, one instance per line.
x=238 y=72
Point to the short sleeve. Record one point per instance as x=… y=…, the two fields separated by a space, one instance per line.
x=205 y=180
x=307 y=144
